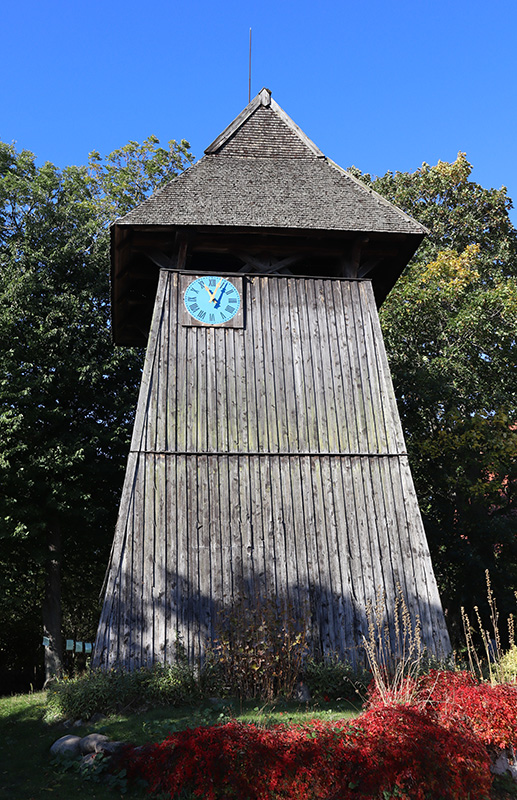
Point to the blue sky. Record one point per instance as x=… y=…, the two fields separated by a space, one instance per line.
x=381 y=85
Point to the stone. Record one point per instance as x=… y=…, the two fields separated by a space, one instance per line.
x=502 y=766
x=78 y=723
x=92 y=743
x=67 y=745
x=109 y=748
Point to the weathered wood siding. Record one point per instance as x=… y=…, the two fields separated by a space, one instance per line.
x=265 y=459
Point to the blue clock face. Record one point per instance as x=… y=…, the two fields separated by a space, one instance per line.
x=212 y=300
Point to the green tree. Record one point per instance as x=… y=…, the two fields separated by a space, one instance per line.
x=450 y=326
x=66 y=394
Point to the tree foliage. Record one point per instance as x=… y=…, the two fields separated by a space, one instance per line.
x=66 y=394
x=450 y=326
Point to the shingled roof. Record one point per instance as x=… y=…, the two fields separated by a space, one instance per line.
x=264 y=172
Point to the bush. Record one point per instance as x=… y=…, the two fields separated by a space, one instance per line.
x=458 y=699
x=508 y=665
x=259 y=648
x=389 y=752
x=335 y=679
x=114 y=691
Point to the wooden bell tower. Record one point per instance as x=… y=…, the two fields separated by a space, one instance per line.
x=267 y=454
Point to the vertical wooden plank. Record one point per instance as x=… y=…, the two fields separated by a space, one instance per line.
x=268 y=522
x=396 y=443
x=159 y=586
x=299 y=353
x=202 y=367
x=169 y=407
x=272 y=406
x=337 y=353
x=180 y=390
x=259 y=413
x=241 y=391
x=285 y=369
x=133 y=630
x=315 y=580
x=298 y=535
x=192 y=604
x=236 y=532
x=212 y=370
x=360 y=589
x=369 y=445
x=191 y=386
x=256 y=523
x=289 y=560
x=148 y=561
x=378 y=436
x=345 y=345
x=309 y=408
x=343 y=556
x=204 y=558
x=314 y=301
x=325 y=611
x=366 y=575
x=278 y=333
x=226 y=530
x=183 y=588
x=216 y=544
x=230 y=388
x=327 y=386
x=355 y=372
x=247 y=529
x=138 y=440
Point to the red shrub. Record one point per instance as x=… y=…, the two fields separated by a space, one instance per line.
x=423 y=759
x=459 y=699
x=385 y=748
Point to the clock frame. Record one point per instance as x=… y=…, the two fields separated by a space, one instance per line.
x=201 y=313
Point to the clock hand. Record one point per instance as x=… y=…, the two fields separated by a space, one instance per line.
x=218 y=301
x=212 y=294
x=209 y=292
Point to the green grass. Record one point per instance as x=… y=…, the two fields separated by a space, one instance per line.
x=26 y=771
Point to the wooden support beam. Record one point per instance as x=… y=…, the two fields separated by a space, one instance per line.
x=268 y=264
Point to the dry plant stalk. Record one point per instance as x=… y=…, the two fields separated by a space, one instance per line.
x=491 y=646
x=395 y=660
x=474 y=662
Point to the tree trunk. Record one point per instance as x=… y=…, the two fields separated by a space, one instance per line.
x=52 y=614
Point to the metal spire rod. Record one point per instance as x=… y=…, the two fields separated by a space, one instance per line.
x=249 y=72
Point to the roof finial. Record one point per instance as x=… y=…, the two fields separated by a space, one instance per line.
x=265 y=97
